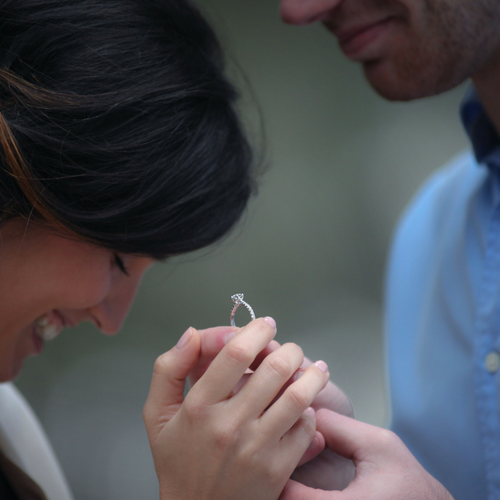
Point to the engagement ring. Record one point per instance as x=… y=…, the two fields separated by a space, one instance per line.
x=238 y=301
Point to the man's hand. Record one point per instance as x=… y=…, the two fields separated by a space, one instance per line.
x=385 y=468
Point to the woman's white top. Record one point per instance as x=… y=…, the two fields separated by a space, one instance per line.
x=23 y=441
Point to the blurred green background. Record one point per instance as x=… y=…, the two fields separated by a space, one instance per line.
x=310 y=251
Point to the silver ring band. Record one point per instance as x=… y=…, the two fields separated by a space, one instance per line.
x=238 y=301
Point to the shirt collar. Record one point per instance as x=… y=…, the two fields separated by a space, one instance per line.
x=481 y=132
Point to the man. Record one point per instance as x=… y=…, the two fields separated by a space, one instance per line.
x=443 y=287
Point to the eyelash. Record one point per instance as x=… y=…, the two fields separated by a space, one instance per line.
x=120 y=265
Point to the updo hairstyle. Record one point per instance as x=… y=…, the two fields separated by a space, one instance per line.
x=117 y=124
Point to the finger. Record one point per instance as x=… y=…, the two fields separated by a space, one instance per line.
x=295 y=443
x=231 y=363
x=329 y=471
x=316 y=446
x=270 y=348
x=348 y=437
x=297 y=491
x=241 y=382
x=331 y=397
x=300 y=371
x=212 y=342
x=282 y=415
x=169 y=377
x=263 y=386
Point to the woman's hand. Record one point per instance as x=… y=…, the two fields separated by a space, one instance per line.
x=219 y=445
x=319 y=466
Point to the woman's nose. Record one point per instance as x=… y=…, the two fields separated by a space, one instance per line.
x=306 y=11
x=111 y=312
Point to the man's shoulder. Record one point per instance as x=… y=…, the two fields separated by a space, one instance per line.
x=447 y=190
x=450 y=179
x=441 y=210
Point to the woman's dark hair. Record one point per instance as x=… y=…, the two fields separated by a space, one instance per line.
x=117 y=124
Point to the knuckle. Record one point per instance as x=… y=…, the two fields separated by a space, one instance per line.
x=279 y=365
x=162 y=364
x=296 y=398
x=269 y=473
x=294 y=348
x=194 y=409
x=386 y=439
x=224 y=437
x=239 y=353
x=273 y=472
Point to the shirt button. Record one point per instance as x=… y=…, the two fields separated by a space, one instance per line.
x=492 y=362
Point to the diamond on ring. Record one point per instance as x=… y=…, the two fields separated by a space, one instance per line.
x=238 y=301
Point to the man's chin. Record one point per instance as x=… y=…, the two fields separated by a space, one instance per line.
x=393 y=84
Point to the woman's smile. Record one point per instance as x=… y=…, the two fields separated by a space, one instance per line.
x=53 y=282
x=49 y=325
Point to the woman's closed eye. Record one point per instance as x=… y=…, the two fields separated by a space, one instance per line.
x=120 y=264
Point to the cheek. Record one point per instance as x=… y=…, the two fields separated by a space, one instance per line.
x=84 y=289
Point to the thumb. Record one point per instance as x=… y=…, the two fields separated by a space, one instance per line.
x=294 y=490
x=166 y=393
x=212 y=342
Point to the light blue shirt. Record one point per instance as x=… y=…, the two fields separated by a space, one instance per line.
x=443 y=319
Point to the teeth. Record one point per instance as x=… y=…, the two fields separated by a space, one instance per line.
x=45 y=329
x=42 y=321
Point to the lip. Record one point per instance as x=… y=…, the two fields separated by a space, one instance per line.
x=49 y=325
x=353 y=40
x=66 y=322
x=56 y=318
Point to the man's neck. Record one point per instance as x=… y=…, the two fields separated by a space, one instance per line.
x=487 y=84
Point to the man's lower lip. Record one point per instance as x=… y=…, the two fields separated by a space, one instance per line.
x=354 y=45
x=38 y=342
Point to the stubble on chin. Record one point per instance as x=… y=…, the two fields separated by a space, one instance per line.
x=442 y=48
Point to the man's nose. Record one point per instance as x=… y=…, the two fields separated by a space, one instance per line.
x=306 y=11
x=111 y=312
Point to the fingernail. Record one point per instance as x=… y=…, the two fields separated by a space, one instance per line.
x=312 y=19
x=306 y=21
x=322 y=366
x=273 y=345
x=186 y=337
x=229 y=336
x=271 y=321
x=310 y=411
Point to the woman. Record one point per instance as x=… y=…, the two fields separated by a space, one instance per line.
x=120 y=146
